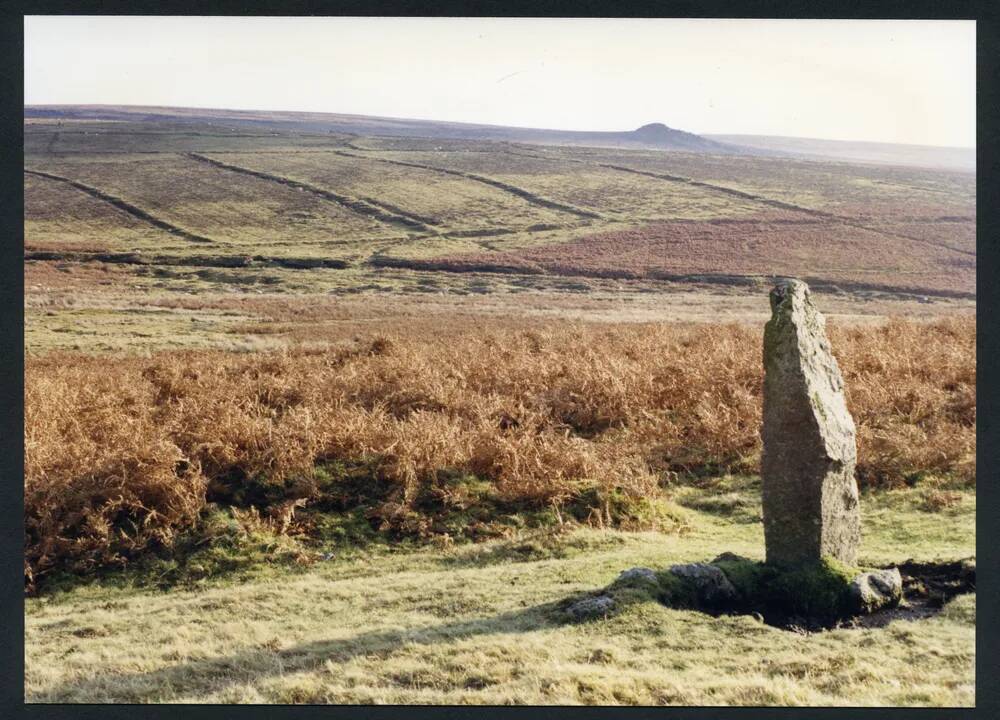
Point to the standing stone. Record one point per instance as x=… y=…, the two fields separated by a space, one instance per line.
x=807 y=467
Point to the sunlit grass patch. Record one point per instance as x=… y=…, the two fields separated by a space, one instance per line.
x=474 y=624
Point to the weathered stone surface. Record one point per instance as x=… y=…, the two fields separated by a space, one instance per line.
x=712 y=587
x=871 y=591
x=637 y=574
x=591 y=607
x=810 y=496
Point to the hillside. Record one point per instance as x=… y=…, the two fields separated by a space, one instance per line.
x=168 y=201
x=653 y=135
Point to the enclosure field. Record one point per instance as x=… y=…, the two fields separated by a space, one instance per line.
x=212 y=192
x=945 y=232
x=814 y=250
x=58 y=216
x=71 y=137
x=446 y=201
x=444 y=145
x=611 y=193
x=842 y=188
x=230 y=209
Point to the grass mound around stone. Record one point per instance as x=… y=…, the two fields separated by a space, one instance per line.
x=485 y=622
x=815 y=596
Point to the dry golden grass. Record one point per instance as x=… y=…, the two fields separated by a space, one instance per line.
x=121 y=453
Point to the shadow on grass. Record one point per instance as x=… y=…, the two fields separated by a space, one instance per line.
x=252 y=665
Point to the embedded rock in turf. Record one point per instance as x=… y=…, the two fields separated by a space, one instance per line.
x=637 y=573
x=591 y=607
x=710 y=585
x=875 y=590
x=808 y=597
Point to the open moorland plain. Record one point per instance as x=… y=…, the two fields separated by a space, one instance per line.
x=331 y=409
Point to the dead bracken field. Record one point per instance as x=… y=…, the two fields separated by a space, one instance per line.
x=591 y=422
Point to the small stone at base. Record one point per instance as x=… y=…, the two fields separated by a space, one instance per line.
x=591 y=607
x=871 y=591
x=638 y=573
x=711 y=584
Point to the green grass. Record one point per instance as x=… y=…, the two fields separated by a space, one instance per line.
x=480 y=623
x=612 y=193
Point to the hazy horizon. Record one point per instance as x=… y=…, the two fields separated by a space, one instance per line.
x=458 y=122
x=849 y=81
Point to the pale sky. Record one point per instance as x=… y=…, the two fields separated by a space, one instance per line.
x=903 y=81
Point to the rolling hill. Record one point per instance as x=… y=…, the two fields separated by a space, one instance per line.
x=653 y=135
x=158 y=203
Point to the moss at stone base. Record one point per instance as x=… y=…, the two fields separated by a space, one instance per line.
x=748 y=577
x=819 y=592
x=649 y=586
x=675 y=591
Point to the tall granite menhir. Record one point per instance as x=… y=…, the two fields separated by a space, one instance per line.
x=809 y=493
